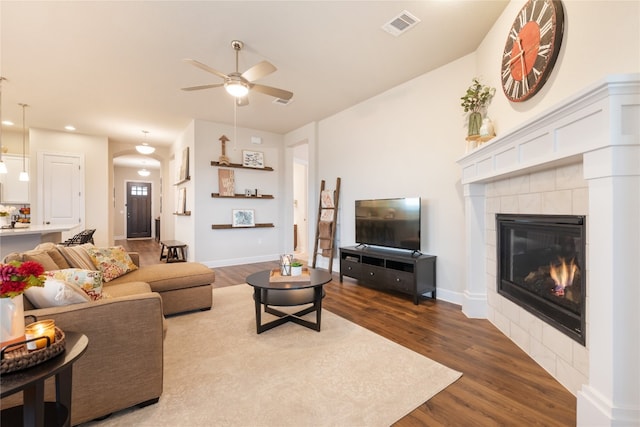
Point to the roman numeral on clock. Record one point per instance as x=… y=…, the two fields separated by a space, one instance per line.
x=545 y=6
x=515 y=89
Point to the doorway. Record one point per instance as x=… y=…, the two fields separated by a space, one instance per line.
x=300 y=200
x=138 y=210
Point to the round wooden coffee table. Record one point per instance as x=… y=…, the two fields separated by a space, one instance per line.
x=285 y=293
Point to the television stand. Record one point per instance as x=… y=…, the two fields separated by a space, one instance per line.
x=390 y=270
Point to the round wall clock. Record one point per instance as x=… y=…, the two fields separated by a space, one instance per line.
x=532 y=48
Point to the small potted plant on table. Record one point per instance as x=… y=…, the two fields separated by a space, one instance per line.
x=296 y=268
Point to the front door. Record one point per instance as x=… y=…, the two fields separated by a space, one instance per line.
x=138 y=210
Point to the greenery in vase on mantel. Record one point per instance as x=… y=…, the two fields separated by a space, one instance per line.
x=475 y=101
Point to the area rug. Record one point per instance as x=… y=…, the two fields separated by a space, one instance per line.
x=219 y=372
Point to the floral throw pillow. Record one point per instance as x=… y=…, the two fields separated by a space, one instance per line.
x=113 y=262
x=90 y=281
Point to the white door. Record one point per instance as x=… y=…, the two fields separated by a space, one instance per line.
x=61 y=188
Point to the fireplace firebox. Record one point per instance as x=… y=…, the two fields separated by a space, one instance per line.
x=541 y=267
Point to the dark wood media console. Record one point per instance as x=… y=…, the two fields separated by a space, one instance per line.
x=385 y=269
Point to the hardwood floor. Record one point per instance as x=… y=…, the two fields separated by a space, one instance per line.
x=500 y=385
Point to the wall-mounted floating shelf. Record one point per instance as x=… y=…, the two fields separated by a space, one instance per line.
x=239 y=166
x=229 y=226
x=183 y=181
x=185 y=213
x=241 y=196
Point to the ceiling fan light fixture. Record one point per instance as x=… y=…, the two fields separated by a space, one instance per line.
x=144 y=172
x=236 y=88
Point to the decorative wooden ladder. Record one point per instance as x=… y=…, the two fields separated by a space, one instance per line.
x=327 y=218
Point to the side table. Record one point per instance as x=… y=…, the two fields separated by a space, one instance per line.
x=174 y=251
x=35 y=411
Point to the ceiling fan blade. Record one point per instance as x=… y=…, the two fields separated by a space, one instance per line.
x=273 y=91
x=259 y=71
x=206 y=68
x=242 y=102
x=202 y=87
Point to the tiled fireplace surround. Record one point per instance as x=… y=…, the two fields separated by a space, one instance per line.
x=581 y=157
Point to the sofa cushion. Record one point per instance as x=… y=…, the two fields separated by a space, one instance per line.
x=41 y=257
x=77 y=256
x=90 y=281
x=55 y=293
x=113 y=261
x=54 y=253
x=169 y=277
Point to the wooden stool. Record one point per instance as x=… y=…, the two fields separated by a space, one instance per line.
x=175 y=251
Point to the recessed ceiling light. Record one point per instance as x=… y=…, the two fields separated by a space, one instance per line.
x=70 y=128
x=7 y=122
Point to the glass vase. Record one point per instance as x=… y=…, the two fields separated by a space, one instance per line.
x=475 y=122
x=11 y=320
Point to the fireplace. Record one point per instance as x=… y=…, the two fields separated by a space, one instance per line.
x=541 y=267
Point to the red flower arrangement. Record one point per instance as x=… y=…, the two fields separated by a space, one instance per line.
x=16 y=277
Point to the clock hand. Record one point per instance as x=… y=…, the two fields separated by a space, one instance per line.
x=521 y=58
x=515 y=58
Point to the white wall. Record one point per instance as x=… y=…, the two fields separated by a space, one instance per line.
x=96 y=160
x=236 y=246
x=405 y=142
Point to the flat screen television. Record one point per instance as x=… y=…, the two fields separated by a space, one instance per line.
x=392 y=223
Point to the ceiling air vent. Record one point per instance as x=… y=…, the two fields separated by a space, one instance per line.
x=401 y=23
x=281 y=101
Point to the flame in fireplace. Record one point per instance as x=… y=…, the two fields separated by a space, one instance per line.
x=562 y=274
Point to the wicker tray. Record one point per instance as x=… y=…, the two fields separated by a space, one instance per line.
x=21 y=358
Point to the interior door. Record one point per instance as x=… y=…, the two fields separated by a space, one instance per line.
x=61 y=185
x=138 y=210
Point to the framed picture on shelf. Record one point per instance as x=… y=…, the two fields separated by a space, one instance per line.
x=226 y=182
x=243 y=218
x=253 y=159
x=182 y=201
x=184 y=166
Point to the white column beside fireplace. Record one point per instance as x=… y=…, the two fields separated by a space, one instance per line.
x=598 y=129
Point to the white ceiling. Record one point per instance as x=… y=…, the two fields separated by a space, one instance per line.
x=115 y=68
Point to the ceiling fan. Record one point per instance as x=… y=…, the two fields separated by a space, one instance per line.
x=239 y=84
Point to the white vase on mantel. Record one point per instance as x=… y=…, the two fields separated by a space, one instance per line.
x=486 y=130
x=5 y=220
x=11 y=320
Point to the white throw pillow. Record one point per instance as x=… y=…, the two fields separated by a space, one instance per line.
x=55 y=293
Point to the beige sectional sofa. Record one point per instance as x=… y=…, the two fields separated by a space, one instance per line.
x=123 y=364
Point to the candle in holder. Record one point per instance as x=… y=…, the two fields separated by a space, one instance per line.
x=285 y=265
x=43 y=328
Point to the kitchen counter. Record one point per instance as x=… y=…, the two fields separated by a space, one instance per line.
x=25 y=238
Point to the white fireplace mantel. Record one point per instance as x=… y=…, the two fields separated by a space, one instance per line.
x=602 y=115
x=600 y=128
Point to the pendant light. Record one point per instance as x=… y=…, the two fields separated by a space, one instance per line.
x=24 y=175
x=3 y=166
x=145 y=148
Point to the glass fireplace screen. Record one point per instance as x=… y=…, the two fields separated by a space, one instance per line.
x=541 y=262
